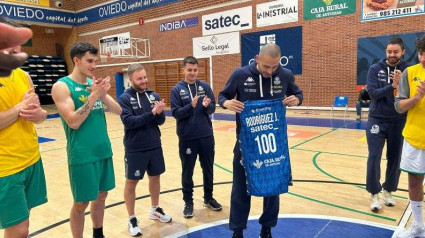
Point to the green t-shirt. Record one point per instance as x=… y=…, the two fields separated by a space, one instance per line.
x=90 y=142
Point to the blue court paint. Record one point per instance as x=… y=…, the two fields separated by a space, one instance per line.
x=44 y=139
x=50 y=116
x=297 y=226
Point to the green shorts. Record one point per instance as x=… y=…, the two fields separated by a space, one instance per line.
x=20 y=192
x=87 y=180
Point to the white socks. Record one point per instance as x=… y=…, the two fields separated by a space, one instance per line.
x=153 y=208
x=417 y=212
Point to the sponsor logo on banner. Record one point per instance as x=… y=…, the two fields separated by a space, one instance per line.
x=328 y=8
x=264 y=40
x=179 y=24
x=277 y=12
x=222 y=44
x=228 y=21
x=100 y=12
x=378 y=11
x=288 y=39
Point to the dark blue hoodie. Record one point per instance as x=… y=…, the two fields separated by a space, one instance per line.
x=381 y=91
x=140 y=124
x=192 y=122
x=245 y=84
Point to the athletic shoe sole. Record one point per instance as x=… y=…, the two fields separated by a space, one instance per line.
x=138 y=234
x=212 y=208
x=153 y=217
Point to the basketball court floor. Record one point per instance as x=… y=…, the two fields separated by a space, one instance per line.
x=327 y=199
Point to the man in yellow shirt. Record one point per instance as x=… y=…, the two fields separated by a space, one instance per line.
x=22 y=182
x=410 y=98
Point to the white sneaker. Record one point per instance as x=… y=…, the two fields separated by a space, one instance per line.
x=415 y=230
x=388 y=198
x=376 y=204
x=159 y=214
x=133 y=227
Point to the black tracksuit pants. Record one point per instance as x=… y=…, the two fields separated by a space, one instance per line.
x=377 y=132
x=189 y=150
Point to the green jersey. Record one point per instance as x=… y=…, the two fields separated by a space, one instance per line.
x=90 y=142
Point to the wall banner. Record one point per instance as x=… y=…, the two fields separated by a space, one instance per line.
x=316 y=9
x=372 y=49
x=277 y=12
x=117 y=8
x=178 y=24
x=41 y=3
x=233 y=20
x=221 y=44
x=288 y=39
x=64 y=17
x=372 y=10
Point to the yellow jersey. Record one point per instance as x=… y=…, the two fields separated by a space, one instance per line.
x=414 y=130
x=18 y=142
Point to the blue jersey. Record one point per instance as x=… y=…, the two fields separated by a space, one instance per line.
x=264 y=144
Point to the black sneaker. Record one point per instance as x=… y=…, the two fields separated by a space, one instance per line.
x=237 y=234
x=212 y=204
x=188 y=210
x=266 y=232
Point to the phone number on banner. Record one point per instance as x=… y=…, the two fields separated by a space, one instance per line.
x=393 y=12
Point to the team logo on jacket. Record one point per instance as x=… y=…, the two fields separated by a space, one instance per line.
x=152 y=97
x=249 y=82
x=2 y=85
x=382 y=75
x=258 y=164
x=416 y=79
x=183 y=92
x=374 y=129
x=188 y=151
x=200 y=88
x=137 y=173
x=276 y=80
x=134 y=103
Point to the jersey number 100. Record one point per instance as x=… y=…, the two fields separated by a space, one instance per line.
x=266 y=143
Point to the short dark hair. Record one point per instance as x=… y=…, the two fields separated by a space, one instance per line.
x=80 y=48
x=9 y=22
x=189 y=60
x=420 y=44
x=396 y=41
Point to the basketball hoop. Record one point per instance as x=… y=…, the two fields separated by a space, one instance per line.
x=104 y=57
x=123 y=46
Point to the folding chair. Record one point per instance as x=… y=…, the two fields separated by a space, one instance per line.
x=340 y=101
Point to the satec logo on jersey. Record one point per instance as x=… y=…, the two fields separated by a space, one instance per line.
x=227 y=21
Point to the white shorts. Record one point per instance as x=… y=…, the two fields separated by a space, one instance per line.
x=412 y=159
